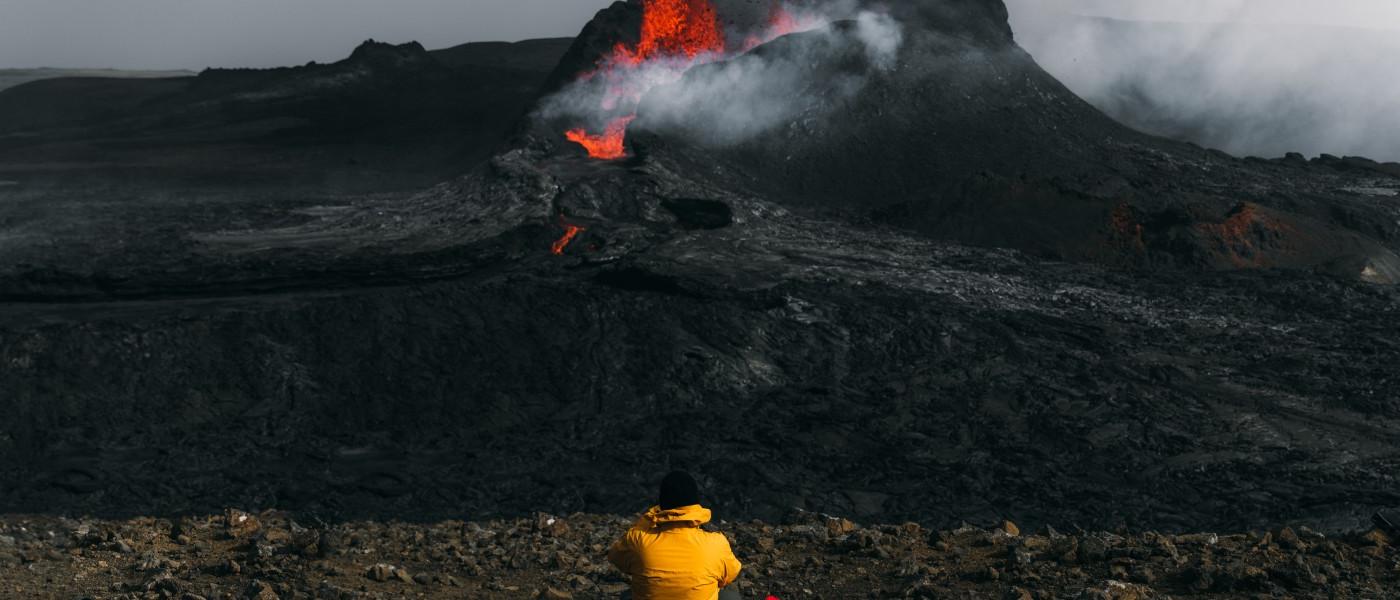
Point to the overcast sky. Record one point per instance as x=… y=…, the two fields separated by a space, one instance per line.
x=193 y=34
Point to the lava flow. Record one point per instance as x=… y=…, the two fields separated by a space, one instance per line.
x=570 y=232
x=608 y=145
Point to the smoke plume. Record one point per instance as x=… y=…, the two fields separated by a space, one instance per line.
x=1240 y=76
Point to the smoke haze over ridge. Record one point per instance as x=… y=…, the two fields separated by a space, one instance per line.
x=1247 y=77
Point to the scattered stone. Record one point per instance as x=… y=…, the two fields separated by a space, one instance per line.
x=380 y=572
x=1377 y=537
x=550 y=593
x=836 y=526
x=259 y=590
x=529 y=558
x=240 y=525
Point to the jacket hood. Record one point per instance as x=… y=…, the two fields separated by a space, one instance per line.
x=693 y=515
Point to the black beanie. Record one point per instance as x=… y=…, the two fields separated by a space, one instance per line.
x=678 y=489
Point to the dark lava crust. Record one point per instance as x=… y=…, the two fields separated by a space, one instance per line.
x=1214 y=356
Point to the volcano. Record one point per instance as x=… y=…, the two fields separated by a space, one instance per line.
x=884 y=267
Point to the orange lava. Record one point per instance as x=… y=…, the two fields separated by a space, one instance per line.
x=674 y=28
x=607 y=145
x=570 y=232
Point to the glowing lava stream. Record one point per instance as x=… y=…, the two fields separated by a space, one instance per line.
x=570 y=232
x=676 y=35
x=607 y=146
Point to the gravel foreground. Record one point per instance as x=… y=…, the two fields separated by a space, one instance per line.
x=274 y=555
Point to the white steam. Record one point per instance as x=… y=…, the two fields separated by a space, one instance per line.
x=724 y=101
x=1250 y=78
x=882 y=37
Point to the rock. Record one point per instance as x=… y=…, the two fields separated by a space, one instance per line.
x=278 y=537
x=550 y=593
x=1310 y=536
x=402 y=575
x=1092 y=549
x=1245 y=576
x=259 y=590
x=182 y=530
x=1118 y=590
x=1377 y=538
x=1289 y=539
x=150 y=561
x=423 y=579
x=1018 y=593
x=1164 y=546
x=380 y=572
x=240 y=525
x=836 y=526
x=551 y=525
x=329 y=542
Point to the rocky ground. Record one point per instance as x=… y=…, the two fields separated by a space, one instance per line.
x=275 y=555
x=1003 y=306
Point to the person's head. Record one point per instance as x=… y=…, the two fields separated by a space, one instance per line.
x=678 y=489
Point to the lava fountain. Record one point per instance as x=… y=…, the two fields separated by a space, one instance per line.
x=606 y=146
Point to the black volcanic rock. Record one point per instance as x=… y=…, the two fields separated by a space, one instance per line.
x=391 y=54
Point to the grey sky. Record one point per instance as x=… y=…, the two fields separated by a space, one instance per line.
x=192 y=34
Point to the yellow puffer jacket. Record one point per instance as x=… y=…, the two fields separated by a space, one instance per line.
x=670 y=558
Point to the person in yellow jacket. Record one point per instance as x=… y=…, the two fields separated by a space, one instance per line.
x=667 y=554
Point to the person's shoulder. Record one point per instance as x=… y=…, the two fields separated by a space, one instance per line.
x=716 y=537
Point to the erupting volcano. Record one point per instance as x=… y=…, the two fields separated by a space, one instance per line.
x=675 y=36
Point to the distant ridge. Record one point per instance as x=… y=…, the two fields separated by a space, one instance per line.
x=12 y=77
